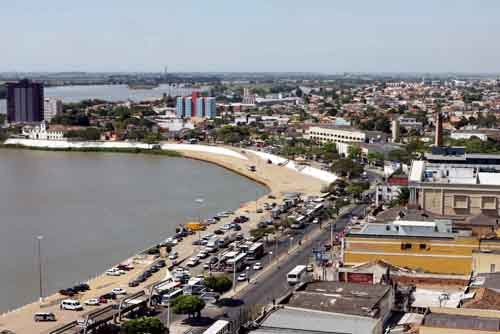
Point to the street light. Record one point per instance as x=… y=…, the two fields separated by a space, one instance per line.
x=199 y=201
x=39 y=242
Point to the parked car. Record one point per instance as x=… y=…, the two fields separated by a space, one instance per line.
x=108 y=296
x=309 y=268
x=174 y=255
x=257 y=266
x=259 y=210
x=226 y=227
x=236 y=227
x=71 y=305
x=133 y=283
x=92 y=302
x=271 y=197
x=239 y=236
x=70 y=292
x=81 y=287
x=44 y=316
x=316 y=221
x=113 y=272
x=219 y=232
x=193 y=262
x=161 y=263
x=119 y=291
x=214 y=260
x=202 y=255
x=242 y=277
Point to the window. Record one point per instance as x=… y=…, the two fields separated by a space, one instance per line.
x=405 y=246
x=492 y=268
x=460 y=202
x=488 y=203
x=423 y=246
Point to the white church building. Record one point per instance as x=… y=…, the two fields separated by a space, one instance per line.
x=41 y=132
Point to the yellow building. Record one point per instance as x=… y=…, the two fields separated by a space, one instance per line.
x=486 y=259
x=428 y=246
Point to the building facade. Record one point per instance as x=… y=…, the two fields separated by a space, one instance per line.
x=41 y=132
x=195 y=106
x=52 y=108
x=336 y=134
x=25 y=103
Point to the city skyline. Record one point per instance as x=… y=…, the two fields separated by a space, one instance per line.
x=292 y=36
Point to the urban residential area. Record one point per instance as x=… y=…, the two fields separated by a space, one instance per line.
x=358 y=199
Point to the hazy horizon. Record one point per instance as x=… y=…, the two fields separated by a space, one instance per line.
x=280 y=37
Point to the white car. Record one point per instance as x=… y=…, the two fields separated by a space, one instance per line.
x=193 y=262
x=202 y=255
x=71 y=304
x=173 y=255
x=257 y=266
x=119 y=291
x=114 y=272
x=226 y=227
x=92 y=302
x=242 y=277
x=316 y=221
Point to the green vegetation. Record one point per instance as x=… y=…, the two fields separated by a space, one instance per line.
x=347 y=167
x=73 y=118
x=85 y=134
x=218 y=283
x=375 y=158
x=476 y=145
x=357 y=188
x=402 y=198
x=188 y=304
x=232 y=134
x=377 y=123
x=261 y=232
x=145 y=325
x=167 y=153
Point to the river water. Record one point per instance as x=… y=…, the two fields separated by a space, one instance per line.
x=97 y=209
x=109 y=93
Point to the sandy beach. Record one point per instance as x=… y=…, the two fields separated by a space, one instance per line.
x=278 y=179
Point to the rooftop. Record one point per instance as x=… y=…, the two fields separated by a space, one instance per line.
x=461 y=322
x=312 y=322
x=437 y=228
x=338 y=297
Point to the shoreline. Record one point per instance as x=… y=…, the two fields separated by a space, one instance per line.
x=286 y=181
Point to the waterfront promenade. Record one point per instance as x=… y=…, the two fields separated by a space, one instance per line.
x=278 y=179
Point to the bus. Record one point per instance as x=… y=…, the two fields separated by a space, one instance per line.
x=237 y=262
x=256 y=251
x=220 y=327
x=296 y=275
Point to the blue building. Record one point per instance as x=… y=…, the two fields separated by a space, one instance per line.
x=210 y=107
x=188 y=107
x=200 y=107
x=179 y=107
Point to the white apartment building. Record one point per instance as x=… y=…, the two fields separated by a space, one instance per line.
x=51 y=108
x=336 y=134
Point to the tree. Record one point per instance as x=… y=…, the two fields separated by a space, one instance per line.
x=218 y=283
x=145 y=325
x=402 y=198
x=347 y=167
x=355 y=189
x=188 y=304
x=374 y=157
x=354 y=152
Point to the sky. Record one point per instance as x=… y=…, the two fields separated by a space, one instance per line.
x=326 y=36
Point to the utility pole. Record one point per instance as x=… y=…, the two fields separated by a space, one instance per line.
x=39 y=241
x=234 y=275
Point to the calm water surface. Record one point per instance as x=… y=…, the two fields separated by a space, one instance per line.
x=96 y=209
x=108 y=93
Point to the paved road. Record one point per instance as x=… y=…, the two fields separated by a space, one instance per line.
x=272 y=284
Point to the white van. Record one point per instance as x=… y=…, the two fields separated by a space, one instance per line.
x=71 y=304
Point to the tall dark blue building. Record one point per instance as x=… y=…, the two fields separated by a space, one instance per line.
x=24 y=102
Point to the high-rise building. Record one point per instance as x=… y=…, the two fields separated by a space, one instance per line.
x=24 y=102
x=195 y=106
x=200 y=107
x=52 y=108
x=188 y=106
x=210 y=107
x=179 y=107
